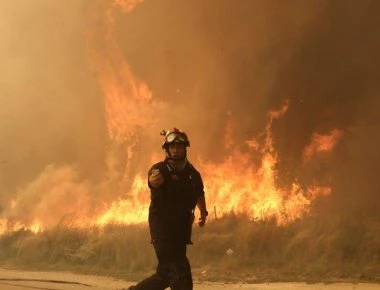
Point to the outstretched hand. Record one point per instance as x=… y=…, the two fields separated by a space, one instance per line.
x=155 y=178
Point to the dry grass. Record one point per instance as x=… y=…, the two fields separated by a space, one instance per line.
x=312 y=249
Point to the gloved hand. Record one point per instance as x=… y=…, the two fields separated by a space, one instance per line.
x=155 y=178
x=202 y=219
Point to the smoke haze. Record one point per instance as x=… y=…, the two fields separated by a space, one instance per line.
x=247 y=57
x=209 y=62
x=50 y=106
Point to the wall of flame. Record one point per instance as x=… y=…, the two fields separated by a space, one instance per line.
x=244 y=178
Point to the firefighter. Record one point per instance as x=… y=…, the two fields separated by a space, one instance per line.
x=176 y=190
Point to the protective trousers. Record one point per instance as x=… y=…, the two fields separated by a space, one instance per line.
x=173 y=269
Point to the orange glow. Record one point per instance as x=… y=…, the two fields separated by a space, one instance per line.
x=234 y=185
x=237 y=185
x=131 y=209
x=322 y=143
x=35 y=227
x=129 y=105
x=228 y=134
x=129 y=108
x=245 y=182
x=128 y=101
x=3 y=226
x=128 y=5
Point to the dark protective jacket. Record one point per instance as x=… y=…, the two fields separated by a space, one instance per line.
x=171 y=211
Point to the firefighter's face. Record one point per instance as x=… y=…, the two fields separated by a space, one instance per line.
x=177 y=150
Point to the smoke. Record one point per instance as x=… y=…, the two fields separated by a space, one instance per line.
x=46 y=199
x=217 y=60
x=50 y=105
x=211 y=63
x=331 y=79
x=213 y=59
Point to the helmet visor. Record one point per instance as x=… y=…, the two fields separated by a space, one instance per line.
x=176 y=136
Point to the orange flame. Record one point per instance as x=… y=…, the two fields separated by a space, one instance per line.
x=322 y=143
x=244 y=182
x=129 y=105
x=44 y=202
x=36 y=226
x=132 y=209
x=129 y=109
x=238 y=185
x=235 y=185
x=128 y=101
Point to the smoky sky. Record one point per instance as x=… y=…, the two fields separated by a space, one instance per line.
x=50 y=106
x=332 y=80
x=247 y=57
x=210 y=58
x=206 y=60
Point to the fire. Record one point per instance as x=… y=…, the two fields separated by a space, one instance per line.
x=36 y=226
x=238 y=185
x=244 y=182
x=132 y=209
x=57 y=196
x=128 y=101
x=235 y=185
x=129 y=105
x=130 y=108
x=322 y=143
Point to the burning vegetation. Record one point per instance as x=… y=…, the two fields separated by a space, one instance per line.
x=244 y=182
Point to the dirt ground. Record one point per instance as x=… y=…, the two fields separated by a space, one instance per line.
x=23 y=280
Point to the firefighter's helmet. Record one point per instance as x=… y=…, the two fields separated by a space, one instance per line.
x=174 y=135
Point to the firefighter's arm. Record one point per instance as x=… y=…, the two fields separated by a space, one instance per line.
x=155 y=178
x=203 y=210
